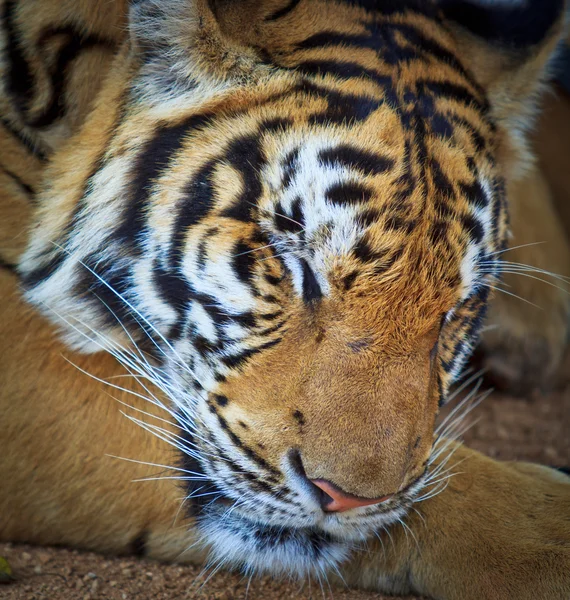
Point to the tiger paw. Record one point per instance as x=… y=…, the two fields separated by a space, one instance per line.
x=505 y=534
x=500 y=531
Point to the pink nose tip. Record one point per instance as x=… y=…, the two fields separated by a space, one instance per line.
x=335 y=500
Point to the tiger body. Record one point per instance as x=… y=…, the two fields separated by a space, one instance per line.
x=286 y=217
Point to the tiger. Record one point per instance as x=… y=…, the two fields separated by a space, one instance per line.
x=286 y=220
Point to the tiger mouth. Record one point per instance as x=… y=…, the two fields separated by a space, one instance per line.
x=245 y=540
x=280 y=534
x=208 y=495
x=239 y=540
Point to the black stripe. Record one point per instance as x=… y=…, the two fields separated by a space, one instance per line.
x=369 y=216
x=22 y=184
x=220 y=400
x=67 y=54
x=365 y=253
x=270 y=330
x=271 y=316
x=246 y=319
x=285 y=223
x=197 y=201
x=238 y=360
x=442 y=399
x=475 y=194
x=499 y=209
x=108 y=282
x=440 y=181
x=345 y=108
x=22 y=139
x=343 y=70
x=365 y=161
x=149 y=166
x=473 y=227
x=43 y=272
x=201 y=344
x=311 y=288
x=297 y=212
x=240 y=444
x=246 y=156
x=202 y=252
x=282 y=12
x=8 y=266
x=243 y=262
x=289 y=166
x=348 y=192
x=275 y=125
x=454 y=91
x=272 y=279
x=341 y=108
x=19 y=77
x=172 y=288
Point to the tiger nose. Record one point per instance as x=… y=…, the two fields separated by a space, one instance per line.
x=333 y=499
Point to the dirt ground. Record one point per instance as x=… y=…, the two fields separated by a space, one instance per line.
x=536 y=429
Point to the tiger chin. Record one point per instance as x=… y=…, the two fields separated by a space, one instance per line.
x=285 y=220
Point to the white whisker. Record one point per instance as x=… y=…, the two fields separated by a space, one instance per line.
x=432 y=494
x=495 y=287
x=149 y=464
x=525 y=274
x=515 y=248
x=408 y=528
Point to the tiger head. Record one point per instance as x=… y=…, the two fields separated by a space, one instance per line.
x=293 y=206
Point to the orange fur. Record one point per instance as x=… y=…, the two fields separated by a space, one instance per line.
x=353 y=383
x=498 y=532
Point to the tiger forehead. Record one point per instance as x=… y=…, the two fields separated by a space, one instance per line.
x=351 y=160
x=409 y=130
x=393 y=105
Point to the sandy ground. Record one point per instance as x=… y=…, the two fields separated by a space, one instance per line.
x=536 y=428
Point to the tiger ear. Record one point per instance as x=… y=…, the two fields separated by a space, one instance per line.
x=182 y=44
x=507 y=44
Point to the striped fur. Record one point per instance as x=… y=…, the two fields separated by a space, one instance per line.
x=287 y=207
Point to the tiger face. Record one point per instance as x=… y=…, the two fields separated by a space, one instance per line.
x=280 y=214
